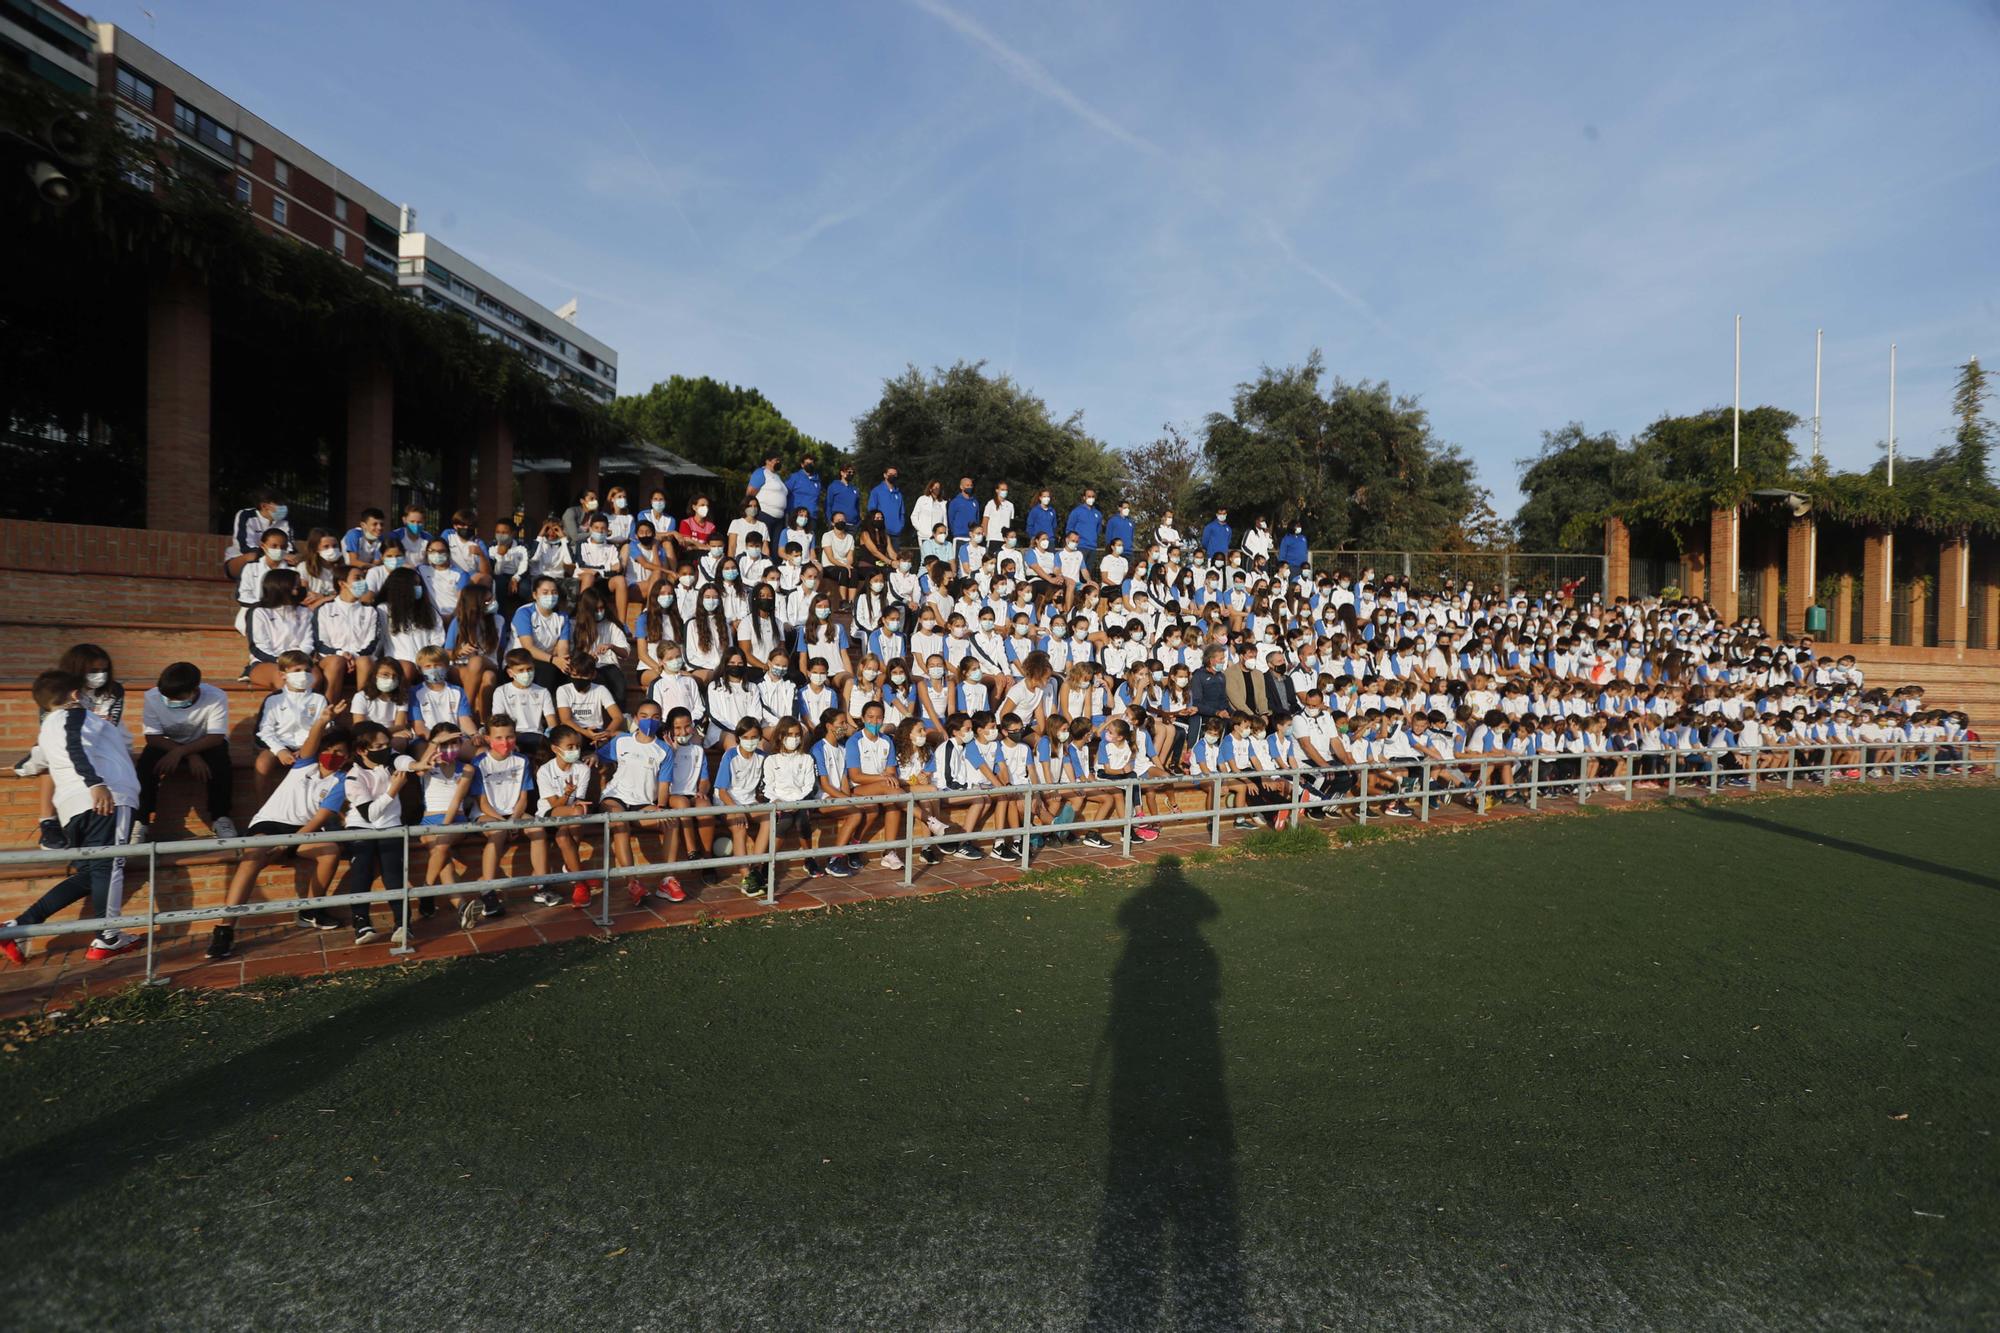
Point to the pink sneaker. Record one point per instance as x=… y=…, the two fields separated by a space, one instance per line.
x=1145 y=833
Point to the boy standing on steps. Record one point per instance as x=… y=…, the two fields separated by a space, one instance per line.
x=96 y=793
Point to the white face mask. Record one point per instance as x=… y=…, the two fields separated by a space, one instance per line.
x=97 y=680
x=524 y=678
x=297 y=680
x=791 y=742
x=388 y=683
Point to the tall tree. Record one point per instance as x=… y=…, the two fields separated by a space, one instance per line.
x=1167 y=475
x=1974 y=438
x=1358 y=465
x=1575 y=473
x=958 y=421
x=725 y=427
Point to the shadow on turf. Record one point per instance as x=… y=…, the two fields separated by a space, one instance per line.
x=1168 y=1250
x=1842 y=845
x=208 y=1100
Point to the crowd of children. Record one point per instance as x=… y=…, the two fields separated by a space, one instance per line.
x=622 y=660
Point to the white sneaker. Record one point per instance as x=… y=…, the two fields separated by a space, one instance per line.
x=32 y=765
x=224 y=828
x=891 y=861
x=935 y=825
x=400 y=937
x=141 y=833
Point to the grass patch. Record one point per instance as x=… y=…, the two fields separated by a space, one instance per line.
x=1725 y=1064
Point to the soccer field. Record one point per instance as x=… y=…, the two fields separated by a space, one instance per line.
x=1728 y=1065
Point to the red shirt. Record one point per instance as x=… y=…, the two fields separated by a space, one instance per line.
x=697 y=529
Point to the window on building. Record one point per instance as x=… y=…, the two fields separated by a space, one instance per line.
x=136 y=127
x=339 y=209
x=284 y=172
x=278 y=211
x=244 y=148
x=135 y=89
x=340 y=242
x=243 y=191
x=185 y=119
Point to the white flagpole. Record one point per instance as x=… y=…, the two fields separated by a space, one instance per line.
x=1736 y=431
x=1819 y=339
x=1892 y=414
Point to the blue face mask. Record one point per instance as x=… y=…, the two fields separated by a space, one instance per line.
x=179 y=704
x=647 y=727
x=278 y=513
x=392 y=562
x=434 y=674
x=872 y=728
x=547 y=601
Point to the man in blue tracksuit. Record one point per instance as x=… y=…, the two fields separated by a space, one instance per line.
x=1087 y=524
x=963 y=511
x=1292 y=548
x=802 y=491
x=843 y=497
x=887 y=498
x=1216 y=537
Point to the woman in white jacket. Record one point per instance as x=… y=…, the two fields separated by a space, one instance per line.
x=791 y=777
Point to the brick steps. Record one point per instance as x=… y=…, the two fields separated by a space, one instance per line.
x=138 y=650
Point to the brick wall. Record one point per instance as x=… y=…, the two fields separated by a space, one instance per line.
x=75 y=548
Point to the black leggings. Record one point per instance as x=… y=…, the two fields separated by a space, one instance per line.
x=377 y=856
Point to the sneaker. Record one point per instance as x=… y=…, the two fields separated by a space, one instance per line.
x=753 y=885
x=813 y=869
x=670 y=889
x=468 y=914
x=400 y=937
x=583 y=891
x=891 y=861
x=221 y=942
x=364 y=933
x=224 y=828
x=548 y=897
x=937 y=826
x=965 y=851
x=323 y=920
x=1006 y=850
x=30 y=765
x=52 y=839
x=930 y=855
x=109 y=945
x=491 y=907
x=16 y=950
x=1242 y=821
x=837 y=867
x=140 y=834
x=1399 y=811
x=427 y=908
x=1145 y=833
x=1092 y=840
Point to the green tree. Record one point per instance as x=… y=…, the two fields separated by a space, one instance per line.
x=1166 y=475
x=724 y=427
x=958 y=421
x=1358 y=465
x=1974 y=439
x=1576 y=473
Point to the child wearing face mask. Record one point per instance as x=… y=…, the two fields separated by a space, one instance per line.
x=105 y=697
x=299 y=807
x=290 y=718
x=791 y=777
x=519 y=697
x=738 y=778
x=562 y=791
x=369 y=795
x=504 y=781
x=444 y=776
x=436 y=699
x=638 y=765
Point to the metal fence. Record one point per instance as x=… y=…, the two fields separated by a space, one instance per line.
x=1355 y=791
x=1536 y=572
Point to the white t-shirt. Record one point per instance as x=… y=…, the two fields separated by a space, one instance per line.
x=208 y=717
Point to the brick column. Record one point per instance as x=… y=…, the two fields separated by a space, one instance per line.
x=534 y=501
x=582 y=473
x=1801 y=573
x=1694 y=570
x=1877 y=584
x=454 y=476
x=179 y=340
x=496 y=470
x=1617 y=560
x=1954 y=591
x=1840 y=620
x=1725 y=556
x=1989 y=598
x=371 y=442
x=1770 y=581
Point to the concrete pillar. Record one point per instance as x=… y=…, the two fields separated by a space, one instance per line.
x=371 y=442
x=1840 y=620
x=534 y=501
x=1877 y=584
x=1725 y=559
x=1617 y=560
x=1954 y=586
x=496 y=470
x=1801 y=572
x=179 y=339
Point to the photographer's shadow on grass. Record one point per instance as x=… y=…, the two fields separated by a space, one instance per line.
x=1168 y=1252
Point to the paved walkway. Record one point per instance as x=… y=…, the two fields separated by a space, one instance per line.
x=58 y=974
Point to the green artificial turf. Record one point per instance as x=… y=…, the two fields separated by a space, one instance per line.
x=1724 y=1066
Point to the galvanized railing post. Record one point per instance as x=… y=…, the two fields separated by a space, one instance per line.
x=1362 y=780
x=909 y=840
x=1027 y=824
x=771 y=859
x=1535 y=782
x=1673 y=771
x=1215 y=813
x=406 y=947
x=604 y=859
x=152 y=909
x=1126 y=792
x=1424 y=796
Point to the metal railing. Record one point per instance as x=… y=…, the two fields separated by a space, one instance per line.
x=1280 y=796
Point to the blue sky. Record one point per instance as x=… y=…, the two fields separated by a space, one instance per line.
x=1522 y=213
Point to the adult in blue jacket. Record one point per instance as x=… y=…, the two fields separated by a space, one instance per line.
x=1292 y=548
x=1216 y=537
x=889 y=500
x=963 y=511
x=843 y=497
x=802 y=489
x=1086 y=522
x=1041 y=520
x=1118 y=528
